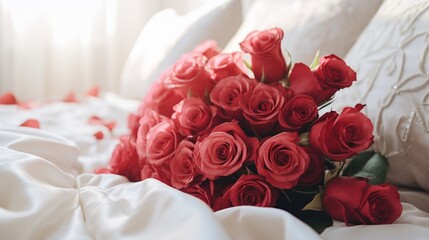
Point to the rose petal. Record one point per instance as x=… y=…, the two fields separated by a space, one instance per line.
x=33 y=123
x=8 y=99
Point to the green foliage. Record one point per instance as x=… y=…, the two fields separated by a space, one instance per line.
x=315 y=204
x=369 y=165
x=315 y=62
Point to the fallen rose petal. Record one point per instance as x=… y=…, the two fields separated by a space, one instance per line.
x=98 y=135
x=33 y=123
x=94 y=91
x=8 y=99
x=70 y=98
x=96 y=120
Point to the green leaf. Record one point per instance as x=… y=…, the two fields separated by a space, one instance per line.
x=315 y=204
x=369 y=165
x=303 y=139
x=315 y=60
x=248 y=65
x=318 y=220
x=331 y=174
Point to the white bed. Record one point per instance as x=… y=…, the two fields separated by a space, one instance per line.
x=48 y=189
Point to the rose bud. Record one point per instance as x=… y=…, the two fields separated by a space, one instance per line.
x=297 y=113
x=227 y=93
x=192 y=116
x=224 y=150
x=282 y=161
x=261 y=106
x=189 y=76
x=334 y=73
x=354 y=201
x=252 y=190
x=266 y=54
x=303 y=81
x=225 y=65
x=183 y=169
x=340 y=136
x=125 y=160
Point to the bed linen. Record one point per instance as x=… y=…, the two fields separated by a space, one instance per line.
x=48 y=189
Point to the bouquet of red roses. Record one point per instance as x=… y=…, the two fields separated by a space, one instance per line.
x=232 y=135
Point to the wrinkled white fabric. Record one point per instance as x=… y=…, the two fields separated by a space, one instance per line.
x=40 y=200
x=47 y=191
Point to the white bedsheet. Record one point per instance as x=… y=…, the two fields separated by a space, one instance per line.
x=48 y=191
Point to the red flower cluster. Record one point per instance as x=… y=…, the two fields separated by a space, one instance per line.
x=230 y=136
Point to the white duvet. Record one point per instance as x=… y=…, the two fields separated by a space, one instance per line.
x=48 y=190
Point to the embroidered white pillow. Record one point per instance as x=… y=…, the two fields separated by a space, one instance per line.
x=391 y=58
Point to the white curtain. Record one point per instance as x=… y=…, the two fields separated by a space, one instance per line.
x=51 y=47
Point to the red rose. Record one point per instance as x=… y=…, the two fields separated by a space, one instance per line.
x=354 y=201
x=162 y=141
x=189 y=76
x=183 y=170
x=149 y=120
x=340 y=136
x=297 y=113
x=125 y=160
x=222 y=202
x=261 y=106
x=134 y=118
x=267 y=57
x=201 y=193
x=225 y=65
x=148 y=171
x=227 y=94
x=316 y=169
x=334 y=73
x=161 y=173
x=191 y=116
x=133 y=124
x=281 y=161
x=224 y=150
x=208 y=48
x=252 y=190
x=161 y=99
x=303 y=81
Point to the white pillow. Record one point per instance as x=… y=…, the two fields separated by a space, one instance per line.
x=391 y=58
x=329 y=25
x=168 y=35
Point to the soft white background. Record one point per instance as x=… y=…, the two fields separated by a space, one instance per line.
x=51 y=47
